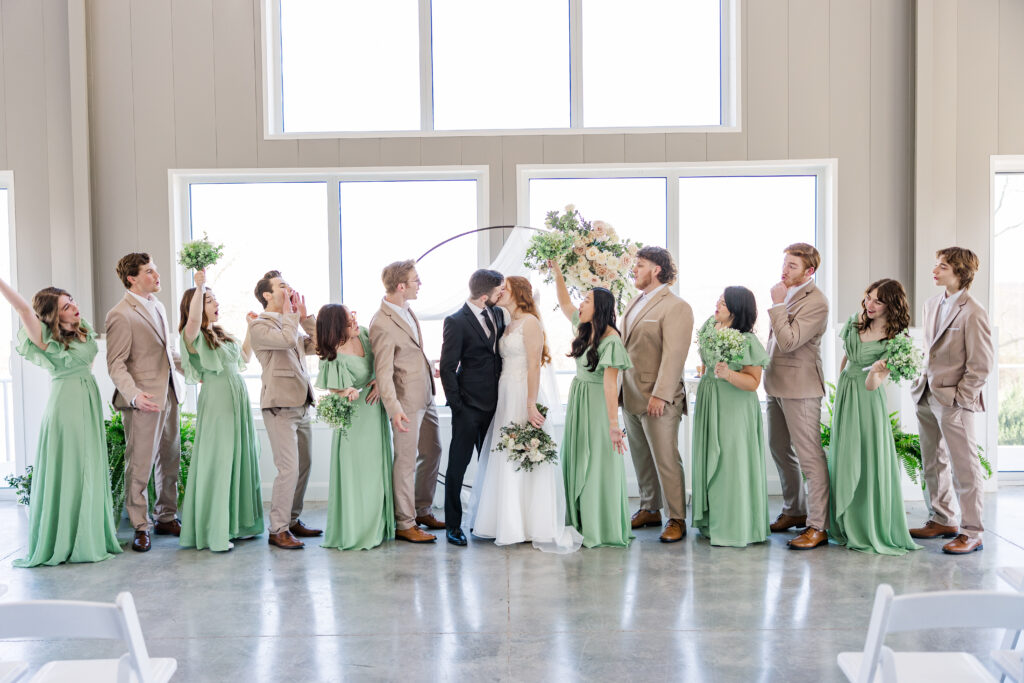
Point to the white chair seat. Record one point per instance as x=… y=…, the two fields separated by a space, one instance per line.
x=1010 y=663
x=11 y=671
x=97 y=671
x=926 y=667
x=1014 y=576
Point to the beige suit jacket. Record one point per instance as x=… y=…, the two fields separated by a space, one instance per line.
x=794 y=346
x=959 y=355
x=657 y=342
x=405 y=379
x=140 y=355
x=281 y=350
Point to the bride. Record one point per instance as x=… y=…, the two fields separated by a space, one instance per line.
x=511 y=506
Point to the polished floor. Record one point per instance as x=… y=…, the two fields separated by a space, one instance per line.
x=652 y=612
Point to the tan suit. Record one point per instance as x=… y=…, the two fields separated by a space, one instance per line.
x=960 y=355
x=795 y=383
x=142 y=358
x=657 y=339
x=284 y=398
x=405 y=382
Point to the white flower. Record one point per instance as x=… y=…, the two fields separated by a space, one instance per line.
x=569 y=208
x=612 y=235
x=536 y=456
x=593 y=252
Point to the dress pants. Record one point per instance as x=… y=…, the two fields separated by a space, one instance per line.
x=417 y=459
x=152 y=444
x=288 y=430
x=794 y=438
x=469 y=429
x=654 y=446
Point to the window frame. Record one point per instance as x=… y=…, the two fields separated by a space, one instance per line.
x=17 y=433
x=730 y=59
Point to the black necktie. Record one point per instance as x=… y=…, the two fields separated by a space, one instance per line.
x=490 y=325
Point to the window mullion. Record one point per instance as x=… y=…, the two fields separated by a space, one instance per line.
x=674 y=239
x=426 y=67
x=576 y=63
x=334 y=260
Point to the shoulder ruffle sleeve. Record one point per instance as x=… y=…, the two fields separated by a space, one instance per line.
x=55 y=357
x=753 y=354
x=334 y=374
x=612 y=354
x=201 y=360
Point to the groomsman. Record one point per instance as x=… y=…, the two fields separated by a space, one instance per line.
x=959 y=350
x=142 y=360
x=795 y=384
x=285 y=399
x=657 y=328
x=405 y=381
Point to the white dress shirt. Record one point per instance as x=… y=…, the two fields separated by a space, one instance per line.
x=946 y=309
x=155 y=310
x=641 y=302
x=403 y=312
x=792 y=292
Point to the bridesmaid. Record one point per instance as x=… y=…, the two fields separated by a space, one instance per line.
x=360 y=511
x=730 y=494
x=71 y=516
x=592 y=448
x=222 y=494
x=866 y=507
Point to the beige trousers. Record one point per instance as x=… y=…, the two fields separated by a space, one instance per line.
x=417 y=458
x=654 y=445
x=794 y=438
x=950 y=462
x=288 y=430
x=152 y=444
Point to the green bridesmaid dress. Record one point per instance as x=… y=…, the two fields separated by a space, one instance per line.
x=595 y=475
x=360 y=511
x=222 y=495
x=866 y=505
x=71 y=515
x=730 y=492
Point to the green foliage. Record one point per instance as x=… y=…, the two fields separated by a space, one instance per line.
x=336 y=411
x=22 y=485
x=200 y=254
x=1011 y=418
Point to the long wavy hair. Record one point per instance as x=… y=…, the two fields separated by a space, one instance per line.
x=522 y=292
x=331 y=330
x=46 y=304
x=589 y=335
x=897 y=308
x=213 y=334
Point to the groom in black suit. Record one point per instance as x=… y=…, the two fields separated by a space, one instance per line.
x=470 y=367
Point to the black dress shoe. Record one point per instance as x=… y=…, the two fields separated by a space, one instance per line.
x=456 y=537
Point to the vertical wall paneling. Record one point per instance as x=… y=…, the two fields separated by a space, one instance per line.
x=516 y=149
x=487 y=150
x=194 y=92
x=360 y=152
x=600 y=149
x=1011 y=77
x=3 y=100
x=78 y=99
x=563 y=149
x=645 y=147
x=808 y=80
x=730 y=146
x=767 y=80
x=441 y=151
x=689 y=146
x=400 y=151
x=269 y=153
x=319 y=153
x=236 y=77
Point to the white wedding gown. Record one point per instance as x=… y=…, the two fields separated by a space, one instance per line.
x=511 y=506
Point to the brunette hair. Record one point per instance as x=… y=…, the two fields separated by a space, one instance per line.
x=46 y=304
x=213 y=334
x=742 y=306
x=806 y=253
x=897 y=307
x=483 y=281
x=265 y=286
x=589 y=335
x=129 y=266
x=396 y=273
x=662 y=258
x=964 y=263
x=331 y=330
x=521 y=291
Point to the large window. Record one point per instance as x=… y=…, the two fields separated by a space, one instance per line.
x=7 y=327
x=1008 y=314
x=349 y=67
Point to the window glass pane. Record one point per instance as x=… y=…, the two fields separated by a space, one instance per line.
x=350 y=65
x=6 y=339
x=383 y=222
x=651 y=63
x=1008 y=316
x=263 y=226
x=519 y=83
x=635 y=207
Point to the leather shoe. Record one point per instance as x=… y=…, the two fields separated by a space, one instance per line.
x=810 y=538
x=642 y=518
x=430 y=521
x=674 y=531
x=785 y=522
x=300 y=529
x=456 y=536
x=934 y=530
x=140 y=543
x=414 y=534
x=962 y=544
x=171 y=528
x=284 y=539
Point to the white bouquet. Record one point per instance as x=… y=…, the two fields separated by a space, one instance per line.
x=903 y=359
x=527 y=445
x=725 y=345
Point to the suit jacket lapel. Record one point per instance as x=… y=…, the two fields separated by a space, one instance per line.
x=141 y=311
x=469 y=313
x=944 y=324
x=397 y=319
x=647 y=307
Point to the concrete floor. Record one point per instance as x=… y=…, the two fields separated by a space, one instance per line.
x=651 y=612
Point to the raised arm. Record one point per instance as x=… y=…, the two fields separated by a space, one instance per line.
x=33 y=328
x=533 y=338
x=793 y=332
x=247 y=342
x=564 y=300
x=195 y=310
x=265 y=336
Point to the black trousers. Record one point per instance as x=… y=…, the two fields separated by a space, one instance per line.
x=469 y=427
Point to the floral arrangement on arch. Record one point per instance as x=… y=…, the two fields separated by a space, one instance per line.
x=589 y=254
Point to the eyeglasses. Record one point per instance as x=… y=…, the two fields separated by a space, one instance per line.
x=417 y=281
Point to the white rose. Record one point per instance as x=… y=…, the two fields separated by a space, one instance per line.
x=600 y=225
x=536 y=456
x=612 y=235
x=593 y=253
x=569 y=208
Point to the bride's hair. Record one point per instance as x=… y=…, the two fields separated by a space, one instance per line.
x=522 y=292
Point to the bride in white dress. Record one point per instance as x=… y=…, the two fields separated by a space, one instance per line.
x=511 y=506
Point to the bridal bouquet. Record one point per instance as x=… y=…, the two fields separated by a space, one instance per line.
x=726 y=345
x=527 y=445
x=336 y=411
x=200 y=254
x=903 y=358
x=589 y=254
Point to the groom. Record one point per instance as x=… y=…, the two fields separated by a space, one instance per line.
x=470 y=367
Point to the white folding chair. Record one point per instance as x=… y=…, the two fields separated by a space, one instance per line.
x=922 y=611
x=1010 y=660
x=52 y=619
x=10 y=670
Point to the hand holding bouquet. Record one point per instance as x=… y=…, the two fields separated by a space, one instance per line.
x=903 y=359
x=200 y=254
x=721 y=346
x=336 y=411
x=527 y=445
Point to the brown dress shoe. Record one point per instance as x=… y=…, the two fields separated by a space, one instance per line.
x=140 y=544
x=171 y=528
x=810 y=538
x=934 y=530
x=642 y=518
x=674 y=531
x=415 y=535
x=300 y=529
x=962 y=544
x=785 y=522
x=284 y=539
x=430 y=521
